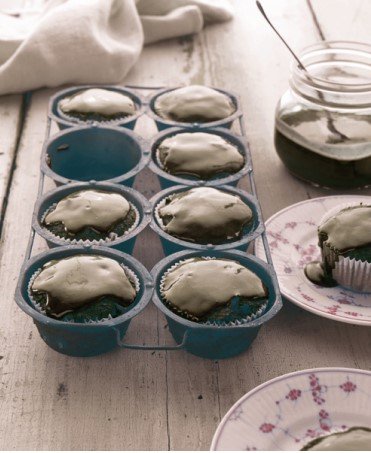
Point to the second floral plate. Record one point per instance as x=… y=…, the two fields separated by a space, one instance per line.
x=292 y=237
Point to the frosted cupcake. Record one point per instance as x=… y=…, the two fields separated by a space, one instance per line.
x=353 y=439
x=97 y=104
x=199 y=154
x=91 y=215
x=213 y=291
x=83 y=288
x=204 y=215
x=194 y=103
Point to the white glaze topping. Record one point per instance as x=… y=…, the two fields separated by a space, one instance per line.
x=349 y=228
x=351 y=440
x=97 y=100
x=205 y=211
x=73 y=282
x=194 y=103
x=94 y=208
x=200 y=154
x=197 y=286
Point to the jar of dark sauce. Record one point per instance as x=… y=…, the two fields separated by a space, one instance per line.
x=323 y=122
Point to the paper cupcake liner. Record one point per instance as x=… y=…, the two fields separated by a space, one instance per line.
x=112 y=236
x=158 y=219
x=130 y=274
x=353 y=274
x=237 y=322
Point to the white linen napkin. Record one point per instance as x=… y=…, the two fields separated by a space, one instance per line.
x=91 y=41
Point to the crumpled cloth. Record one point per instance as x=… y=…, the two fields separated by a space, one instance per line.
x=91 y=41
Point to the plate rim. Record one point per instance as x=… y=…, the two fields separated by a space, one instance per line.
x=282 y=377
x=289 y=297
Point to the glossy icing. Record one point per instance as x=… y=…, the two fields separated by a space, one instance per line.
x=349 y=228
x=194 y=103
x=351 y=440
x=206 y=214
x=97 y=100
x=199 y=154
x=196 y=286
x=94 y=208
x=73 y=282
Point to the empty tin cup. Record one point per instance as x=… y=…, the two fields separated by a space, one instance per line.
x=163 y=123
x=124 y=243
x=211 y=341
x=100 y=153
x=63 y=121
x=171 y=244
x=169 y=180
x=82 y=339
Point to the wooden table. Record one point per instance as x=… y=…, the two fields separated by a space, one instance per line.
x=165 y=400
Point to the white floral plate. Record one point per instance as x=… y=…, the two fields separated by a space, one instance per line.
x=289 y=411
x=292 y=237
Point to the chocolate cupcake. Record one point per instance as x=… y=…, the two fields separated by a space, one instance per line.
x=213 y=291
x=345 y=242
x=91 y=215
x=199 y=154
x=353 y=439
x=97 y=104
x=194 y=103
x=83 y=288
x=204 y=215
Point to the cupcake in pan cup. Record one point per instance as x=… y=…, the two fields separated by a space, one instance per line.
x=345 y=241
x=80 y=297
x=196 y=105
x=94 y=153
x=205 y=218
x=92 y=213
x=217 y=300
x=192 y=157
x=83 y=105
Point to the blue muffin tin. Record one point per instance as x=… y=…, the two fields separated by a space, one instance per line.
x=168 y=180
x=93 y=155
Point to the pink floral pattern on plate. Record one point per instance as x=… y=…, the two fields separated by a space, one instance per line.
x=292 y=237
x=287 y=412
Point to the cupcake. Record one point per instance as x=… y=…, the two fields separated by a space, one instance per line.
x=91 y=215
x=199 y=154
x=353 y=439
x=204 y=215
x=194 y=103
x=345 y=242
x=97 y=104
x=213 y=291
x=83 y=288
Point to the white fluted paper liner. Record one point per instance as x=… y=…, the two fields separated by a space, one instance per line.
x=353 y=274
x=112 y=236
x=130 y=274
x=238 y=322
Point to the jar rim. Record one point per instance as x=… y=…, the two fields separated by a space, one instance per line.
x=350 y=47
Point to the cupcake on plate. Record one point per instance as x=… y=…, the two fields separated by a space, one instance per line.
x=213 y=291
x=345 y=242
x=353 y=439
x=97 y=104
x=194 y=103
x=83 y=288
x=91 y=215
x=204 y=215
x=202 y=155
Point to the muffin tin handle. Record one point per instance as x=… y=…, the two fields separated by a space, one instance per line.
x=124 y=345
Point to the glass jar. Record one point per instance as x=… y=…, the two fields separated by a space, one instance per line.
x=323 y=123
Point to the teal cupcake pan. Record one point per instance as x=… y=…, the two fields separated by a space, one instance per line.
x=171 y=244
x=89 y=339
x=123 y=243
x=64 y=121
x=167 y=180
x=211 y=341
x=108 y=156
